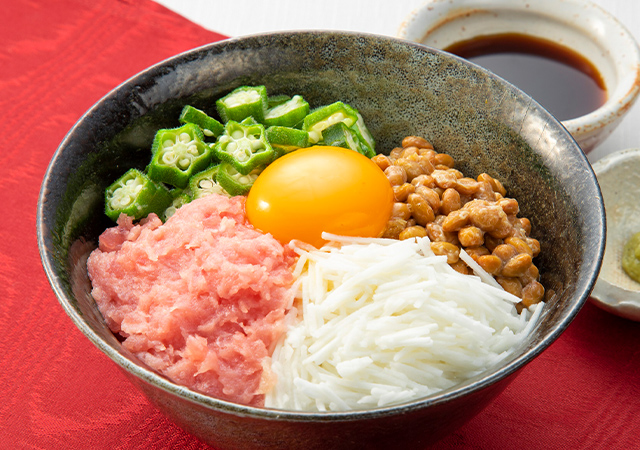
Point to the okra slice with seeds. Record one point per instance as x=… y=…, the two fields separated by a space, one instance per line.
x=206 y=183
x=245 y=147
x=234 y=182
x=136 y=195
x=288 y=114
x=178 y=201
x=243 y=102
x=325 y=116
x=340 y=135
x=286 y=139
x=178 y=153
x=210 y=127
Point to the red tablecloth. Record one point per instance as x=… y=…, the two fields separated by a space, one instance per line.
x=58 y=391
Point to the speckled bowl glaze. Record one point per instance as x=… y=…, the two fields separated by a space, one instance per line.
x=619 y=178
x=401 y=89
x=579 y=25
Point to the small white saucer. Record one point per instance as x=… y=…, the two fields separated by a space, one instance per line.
x=619 y=178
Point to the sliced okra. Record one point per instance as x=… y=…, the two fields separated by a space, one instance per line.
x=136 y=195
x=234 y=182
x=365 y=137
x=326 y=116
x=206 y=183
x=179 y=200
x=249 y=121
x=287 y=114
x=286 y=139
x=275 y=100
x=243 y=102
x=245 y=147
x=340 y=135
x=178 y=153
x=210 y=127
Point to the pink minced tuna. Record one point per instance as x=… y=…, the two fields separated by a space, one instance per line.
x=202 y=298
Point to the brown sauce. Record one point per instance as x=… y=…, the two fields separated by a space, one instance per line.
x=561 y=80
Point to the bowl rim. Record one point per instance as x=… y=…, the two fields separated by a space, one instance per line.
x=214 y=404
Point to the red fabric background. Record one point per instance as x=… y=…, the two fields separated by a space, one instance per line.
x=58 y=391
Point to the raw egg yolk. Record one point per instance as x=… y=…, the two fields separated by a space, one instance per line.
x=316 y=189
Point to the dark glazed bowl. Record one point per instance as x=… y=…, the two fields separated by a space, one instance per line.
x=401 y=89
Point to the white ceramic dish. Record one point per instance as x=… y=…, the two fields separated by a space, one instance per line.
x=577 y=24
x=619 y=178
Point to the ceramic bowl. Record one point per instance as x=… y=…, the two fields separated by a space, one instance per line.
x=582 y=26
x=401 y=89
x=619 y=178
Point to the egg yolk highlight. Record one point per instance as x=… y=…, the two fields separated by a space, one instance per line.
x=320 y=189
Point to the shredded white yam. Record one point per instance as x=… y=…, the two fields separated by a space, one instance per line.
x=386 y=321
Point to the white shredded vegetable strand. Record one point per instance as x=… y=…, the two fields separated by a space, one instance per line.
x=384 y=321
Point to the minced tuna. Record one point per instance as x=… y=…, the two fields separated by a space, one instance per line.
x=202 y=298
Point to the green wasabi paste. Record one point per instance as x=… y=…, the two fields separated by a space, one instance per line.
x=631 y=257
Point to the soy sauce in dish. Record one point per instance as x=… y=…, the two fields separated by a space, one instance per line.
x=561 y=80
